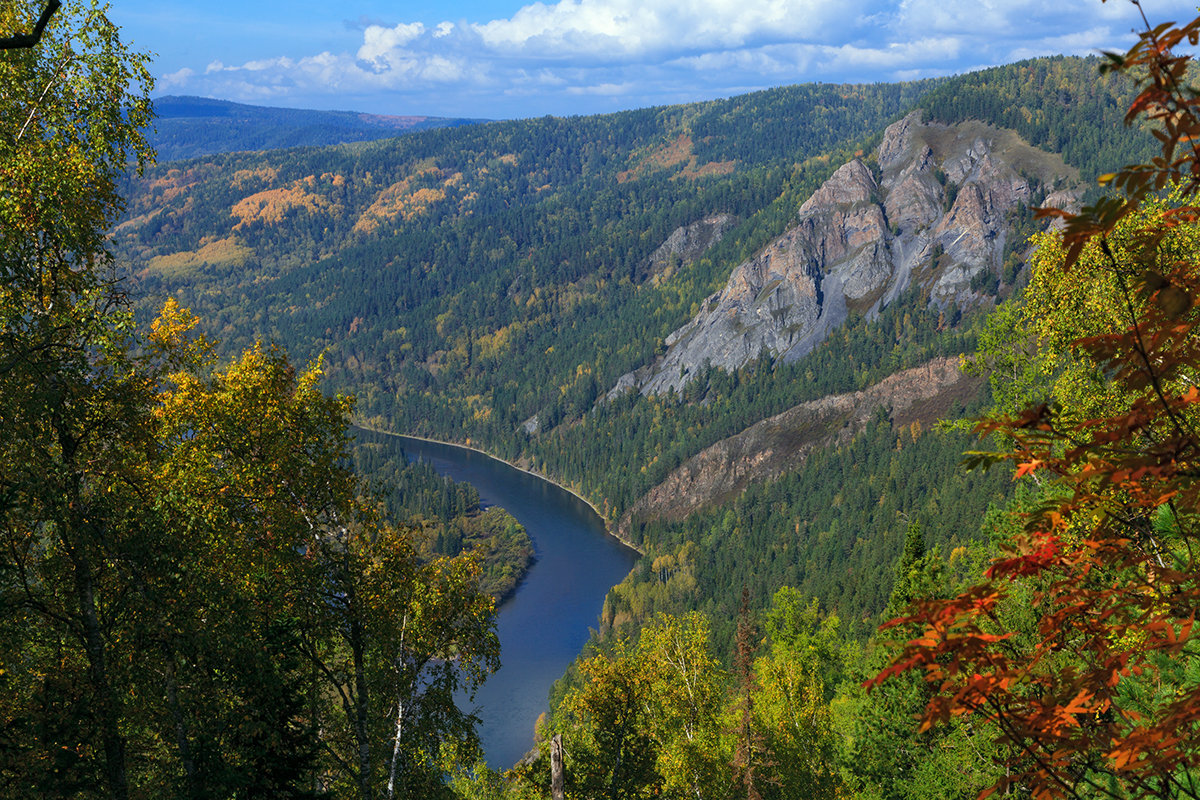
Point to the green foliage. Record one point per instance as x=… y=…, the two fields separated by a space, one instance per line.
x=625 y=447
x=511 y=249
x=464 y=281
x=829 y=528
x=446 y=514
x=1060 y=104
x=71 y=446
x=193 y=602
x=1075 y=647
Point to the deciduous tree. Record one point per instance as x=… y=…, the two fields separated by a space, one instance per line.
x=1104 y=700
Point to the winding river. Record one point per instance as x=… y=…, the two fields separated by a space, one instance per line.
x=546 y=622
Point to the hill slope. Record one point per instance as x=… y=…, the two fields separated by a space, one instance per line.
x=489 y=283
x=187 y=127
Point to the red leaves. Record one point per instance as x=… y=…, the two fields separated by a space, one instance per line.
x=1039 y=560
x=1109 y=567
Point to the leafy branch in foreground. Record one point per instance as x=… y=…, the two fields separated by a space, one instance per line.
x=1102 y=698
x=194 y=601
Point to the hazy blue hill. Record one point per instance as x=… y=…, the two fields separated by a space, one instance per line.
x=188 y=127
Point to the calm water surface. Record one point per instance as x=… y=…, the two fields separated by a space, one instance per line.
x=545 y=624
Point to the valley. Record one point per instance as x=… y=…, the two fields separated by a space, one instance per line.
x=661 y=308
x=835 y=440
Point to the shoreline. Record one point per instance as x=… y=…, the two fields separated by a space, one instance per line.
x=607 y=528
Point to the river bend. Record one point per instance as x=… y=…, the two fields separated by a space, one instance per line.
x=544 y=625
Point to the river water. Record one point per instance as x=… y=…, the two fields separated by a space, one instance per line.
x=546 y=622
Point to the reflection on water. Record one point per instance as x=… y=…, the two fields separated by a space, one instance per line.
x=545 y=624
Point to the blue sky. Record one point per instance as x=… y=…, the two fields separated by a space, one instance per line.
x=511 y=59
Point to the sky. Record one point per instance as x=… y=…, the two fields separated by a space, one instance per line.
x=504 y=59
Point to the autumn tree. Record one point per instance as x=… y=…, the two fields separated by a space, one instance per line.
x=647 y=719
x=189 y=578
x=794 y=681
x=1104 y=698
x=72 y=402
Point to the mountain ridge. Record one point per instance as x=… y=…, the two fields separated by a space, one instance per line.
x=932 y=209
x=188 y=127
x=782 y=442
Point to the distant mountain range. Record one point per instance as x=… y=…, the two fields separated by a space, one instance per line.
x=188 y=127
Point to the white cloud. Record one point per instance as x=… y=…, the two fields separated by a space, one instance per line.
x=606 y=89
x=177 y=78
x=629 y=29
x=263 y=65
x=895 y=55
x=650 y=51
x=379 y=42
x=1082 y=43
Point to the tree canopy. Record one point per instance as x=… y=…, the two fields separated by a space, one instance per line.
x=1100 y=694
x=194 y=599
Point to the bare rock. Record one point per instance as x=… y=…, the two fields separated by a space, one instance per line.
x=938 y=215
x=780 y=443
x=685 y=244
x=773 y=301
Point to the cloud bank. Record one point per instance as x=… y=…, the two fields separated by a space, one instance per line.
x=583 y=56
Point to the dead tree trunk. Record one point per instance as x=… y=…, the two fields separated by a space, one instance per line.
x=556 y=767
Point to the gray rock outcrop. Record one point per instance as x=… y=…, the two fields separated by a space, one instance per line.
x=935 y=211
x=685 y=244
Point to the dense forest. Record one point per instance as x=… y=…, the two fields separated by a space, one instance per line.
x=464 y=283
x=201 y=596
x=445 y=515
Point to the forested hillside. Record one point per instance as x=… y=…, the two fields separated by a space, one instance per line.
x=446 y=516
x=201 y=597
x=462 y=281
x=186 y=127
x=496 y=242
x=197 y=596
x=490 y=283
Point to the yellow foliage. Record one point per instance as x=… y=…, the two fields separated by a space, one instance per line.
x=402 y=201
x=241 y=177
x=175 y=183
x=496 y=343
x=226 y=252
x=711 y=168
x=1088 y=300
x=271 y=206
x=672 y=154
x=169 y=333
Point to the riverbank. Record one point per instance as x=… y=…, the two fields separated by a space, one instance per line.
x=549 y=619
x=608 y=528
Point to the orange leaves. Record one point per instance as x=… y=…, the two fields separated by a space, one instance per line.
x=1044 y=555
x=272 y=206
x=1027 y=468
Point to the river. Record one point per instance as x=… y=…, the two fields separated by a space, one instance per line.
x=546 y=622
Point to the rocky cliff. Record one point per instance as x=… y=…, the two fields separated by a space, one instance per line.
x=780 y=443
x=932 y=207
x=685 y=244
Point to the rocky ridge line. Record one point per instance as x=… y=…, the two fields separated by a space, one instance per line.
x=781 y=443
x=933 y=210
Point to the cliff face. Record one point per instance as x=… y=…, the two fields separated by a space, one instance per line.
x=934 y=211
x=775 y=445
x=685 y=244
